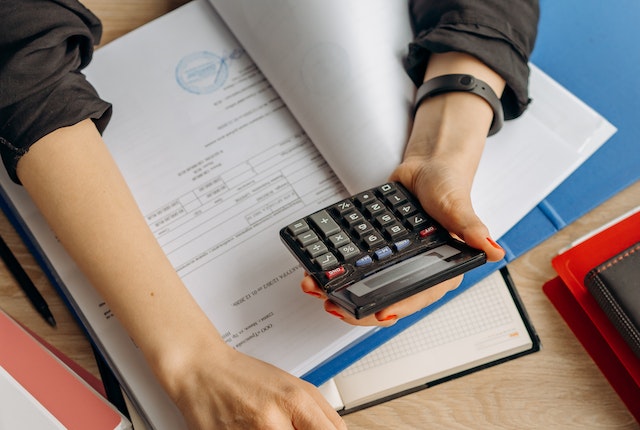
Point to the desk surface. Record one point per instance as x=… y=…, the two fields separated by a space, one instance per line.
x=558 y=387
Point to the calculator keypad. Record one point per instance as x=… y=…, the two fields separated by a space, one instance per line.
x=366 y=232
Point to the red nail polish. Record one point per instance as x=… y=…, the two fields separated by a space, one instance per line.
x=388 y=318
x=313 y=293
x=493 y=243
x=336 y=314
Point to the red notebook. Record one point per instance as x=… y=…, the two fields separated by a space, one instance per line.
x=599 y=348
x=583 y=314
x=40 y=391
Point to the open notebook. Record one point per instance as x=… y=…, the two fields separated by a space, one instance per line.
x=485 y=325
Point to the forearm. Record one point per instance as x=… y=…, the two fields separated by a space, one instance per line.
x=444 y=150
x=78 y=188
x=454 y=124
x=501 y=33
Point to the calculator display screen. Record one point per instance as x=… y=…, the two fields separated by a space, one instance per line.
x=408 y=272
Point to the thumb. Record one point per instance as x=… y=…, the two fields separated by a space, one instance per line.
x=475 y=234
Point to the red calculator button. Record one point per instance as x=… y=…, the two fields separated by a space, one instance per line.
x=334 y=273
x=427 y=231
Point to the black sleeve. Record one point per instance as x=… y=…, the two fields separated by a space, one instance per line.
x=501 y=33
x=44 y=45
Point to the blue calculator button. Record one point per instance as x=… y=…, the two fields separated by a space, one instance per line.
x=364 y=261
x=383 y=253
x=400 y=245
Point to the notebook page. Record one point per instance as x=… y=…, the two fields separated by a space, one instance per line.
x=346 y=85
x=480 y=325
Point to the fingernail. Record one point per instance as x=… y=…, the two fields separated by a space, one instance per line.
x=388 y=318
x=314 y=293
x=493 y=243
x=336 y=314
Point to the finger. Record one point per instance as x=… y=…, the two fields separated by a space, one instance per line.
x=456 y=215
x=418 y=301
x=311 y=287
x=342 y=314
x=327 y=409
x=369 y=320
x=459 y=219
x=308 y=416
x=476 y=235
x=391 y=314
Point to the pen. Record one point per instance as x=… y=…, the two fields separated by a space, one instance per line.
x=25 y=283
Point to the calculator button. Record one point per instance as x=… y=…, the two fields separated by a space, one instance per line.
x=339 y=239
x=298 y=227
x=364 y=198
x=406 y=209
x=385 y=219
x=395 y=231
x=427 y=231
x=383 y=253
x=416 y=220
x=387 y=189
x=331 y=274
x=374 y=207
x=348 y=251
x=354 y=217
x=364 y=261
x=307 y=238
x=327 y=261
x=323 y=221
x=344 y=206
x=373 y=240
x=395 y=198
x=316 y=249
x=361 y=229
x=402 y=244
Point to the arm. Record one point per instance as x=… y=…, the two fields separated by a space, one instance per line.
x=490 y=40
x=78 y=188
x=49 y=141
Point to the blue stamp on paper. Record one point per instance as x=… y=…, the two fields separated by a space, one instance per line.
x=202 y=72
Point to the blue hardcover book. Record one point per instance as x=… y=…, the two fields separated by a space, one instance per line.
x=589 y=48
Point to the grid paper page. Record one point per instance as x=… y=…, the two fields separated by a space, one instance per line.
x=480 y=308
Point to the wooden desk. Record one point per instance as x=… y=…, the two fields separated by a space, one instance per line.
x=556 y=388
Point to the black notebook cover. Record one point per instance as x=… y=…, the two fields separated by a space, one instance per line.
x=615 y=284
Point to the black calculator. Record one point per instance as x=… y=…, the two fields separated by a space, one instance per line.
x=376 y=248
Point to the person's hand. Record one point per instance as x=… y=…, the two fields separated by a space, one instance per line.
x=440 y=162
x=438 y=167
x=389 y=315
x=220 y=388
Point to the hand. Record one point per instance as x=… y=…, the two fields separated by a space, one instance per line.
x=389 y=315
x=440 y=162
x=439 y=165
x=440 y=169
x=231 y=390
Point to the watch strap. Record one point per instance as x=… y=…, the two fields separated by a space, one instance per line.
x=463 y=83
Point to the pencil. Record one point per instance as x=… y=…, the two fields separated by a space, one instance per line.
x=25 y=283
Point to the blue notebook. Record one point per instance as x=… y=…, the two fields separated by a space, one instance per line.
x=589 y=47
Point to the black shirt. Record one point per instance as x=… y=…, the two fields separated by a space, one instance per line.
x=45 y=44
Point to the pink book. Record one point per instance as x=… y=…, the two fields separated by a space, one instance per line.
x=38 y=390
